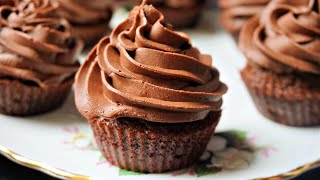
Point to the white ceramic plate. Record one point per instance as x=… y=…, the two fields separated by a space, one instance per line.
x=62 y=139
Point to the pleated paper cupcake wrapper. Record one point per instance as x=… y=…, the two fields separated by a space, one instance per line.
x=151 y=152
x=302 y=112
x=21 y=99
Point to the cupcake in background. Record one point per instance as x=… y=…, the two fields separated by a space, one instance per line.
x=151 y=98
x=89 y=18
x=282 y=46
x=179 y=13
x=38 y=57
x=235 y=13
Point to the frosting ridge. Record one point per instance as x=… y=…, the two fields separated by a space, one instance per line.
x=89 y=18
x=148 y=71
x=237 y=12
x=285 y=37
x=35 y=44
x=85 y=12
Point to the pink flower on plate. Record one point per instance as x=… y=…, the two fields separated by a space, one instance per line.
x=267 y=151
x=103 y=161
x=79 y=140
x=74 y=130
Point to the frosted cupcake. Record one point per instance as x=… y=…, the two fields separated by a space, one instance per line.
x=38 y=58
x=282 y=46
x=151 y=98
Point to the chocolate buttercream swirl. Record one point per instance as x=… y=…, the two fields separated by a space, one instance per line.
x=237 y=12
x=285 y=38
x=85 y=12
x=148 y=71
x=35 y=44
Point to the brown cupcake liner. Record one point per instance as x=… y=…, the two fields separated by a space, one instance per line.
x=150 y=147
x=20 y=99
x=284 y=99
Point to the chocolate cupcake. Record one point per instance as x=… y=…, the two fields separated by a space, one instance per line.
x=151 y=98
x=235 y=13
x=282 y=46
x=89 y=19
x=37 y=58
x=179 y=13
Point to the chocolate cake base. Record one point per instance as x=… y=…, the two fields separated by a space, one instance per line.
x=143 y=146
x=25 y=98
x=290 y=99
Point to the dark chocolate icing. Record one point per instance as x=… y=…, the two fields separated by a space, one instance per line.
x=148 y=71
x=89 y=18
x=235 y=13
x=285 y=38
x=35 y=44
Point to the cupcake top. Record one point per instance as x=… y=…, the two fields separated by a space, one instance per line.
x=148 y=71
x=85 y=12
x=35 y=44
x=237 y=12
x=285 y=38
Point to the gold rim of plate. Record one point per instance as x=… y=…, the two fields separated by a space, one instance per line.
x=59 y=173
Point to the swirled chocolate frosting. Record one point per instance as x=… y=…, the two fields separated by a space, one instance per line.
x=285 y=38
x=148 y=71
x=35 y=44
x=85 y=12
x=89 y=18
x=236 y=12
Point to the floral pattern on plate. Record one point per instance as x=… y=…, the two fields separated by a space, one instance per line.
x=228 y=150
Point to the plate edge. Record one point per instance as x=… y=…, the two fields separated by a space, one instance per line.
x=39 y=166
x=59 y=173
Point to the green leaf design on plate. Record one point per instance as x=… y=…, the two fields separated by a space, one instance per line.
x=123 y=172
x=240 y=134
x=102 y=158
x=236 y=138
x=202 y=170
